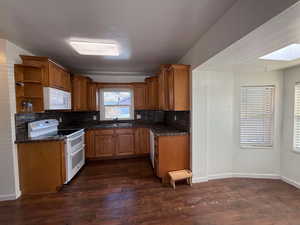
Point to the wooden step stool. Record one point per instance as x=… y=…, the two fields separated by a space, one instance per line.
x=180 y=175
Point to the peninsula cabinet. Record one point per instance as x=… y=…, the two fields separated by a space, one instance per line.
x=178 y=87
x=116 y=143
x=54 y=75
x=171 y=153
x=80 y=93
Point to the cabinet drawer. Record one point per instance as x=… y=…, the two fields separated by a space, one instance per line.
x=125 y=131
x=104 y=132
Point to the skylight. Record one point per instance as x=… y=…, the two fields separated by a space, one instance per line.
x=95 y=48
x=289 y=53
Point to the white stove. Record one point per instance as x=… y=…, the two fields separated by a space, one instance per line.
x=74 y=143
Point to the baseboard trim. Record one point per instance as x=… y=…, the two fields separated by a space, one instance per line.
x=257 y=176
x=199 y=179
x=220 y=176
x=235 y=175
x=8 y=197
x=291 y=182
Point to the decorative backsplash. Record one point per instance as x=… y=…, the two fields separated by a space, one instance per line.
x=178 y=119
x=152 y=116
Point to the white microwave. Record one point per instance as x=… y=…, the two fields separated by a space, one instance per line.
x=55 y=99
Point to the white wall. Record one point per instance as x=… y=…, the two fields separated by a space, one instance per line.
x=215 y=127
x=9 y=185
x=241 y=19
x=117 y=78
x=258 y=162
x=290 y=161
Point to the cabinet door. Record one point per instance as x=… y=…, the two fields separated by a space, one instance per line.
x=93 y=97
x=65 y=80
x=163 y=89
x=140 y=96
x=154 y=92
x=171 y=89
x=142 y=141
x=125 y=142
x=79 y=93
x=89 y=145
x=54 y=76
x=104 y=145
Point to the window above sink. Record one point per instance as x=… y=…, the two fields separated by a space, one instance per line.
x=117 y=104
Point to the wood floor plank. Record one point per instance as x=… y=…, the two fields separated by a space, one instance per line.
x=125 y=192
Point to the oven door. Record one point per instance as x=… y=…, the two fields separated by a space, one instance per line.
x=75 y=161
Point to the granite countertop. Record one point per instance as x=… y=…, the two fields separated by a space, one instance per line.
x=158 y=129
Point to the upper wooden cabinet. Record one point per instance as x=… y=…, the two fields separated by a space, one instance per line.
x=178 y=87
x=140 y=96
x=54 y=75
x=163 y=88
x=80 y=93
x=93 y=97
x=152 y=92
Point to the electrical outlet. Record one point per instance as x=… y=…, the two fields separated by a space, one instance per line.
x=138 y=116
x=60 y=119
x=175 y=117
x=94 y=117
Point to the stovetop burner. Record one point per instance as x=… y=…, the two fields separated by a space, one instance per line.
x=66 y=132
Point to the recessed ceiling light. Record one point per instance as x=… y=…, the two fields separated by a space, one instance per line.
x=288 y=53
x=95 y=48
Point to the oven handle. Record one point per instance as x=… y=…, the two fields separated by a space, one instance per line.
x=80 y=149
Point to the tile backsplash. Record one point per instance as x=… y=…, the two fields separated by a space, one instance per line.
x=180 y=120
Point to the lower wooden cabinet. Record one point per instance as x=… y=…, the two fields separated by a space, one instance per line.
x=42 y=167
x=171 y=153
x=142 y=141
x=125 y=142
x=104 y=143
x=116 y=143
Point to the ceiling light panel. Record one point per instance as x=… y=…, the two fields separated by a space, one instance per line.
x=95 y=48
x=288 y=53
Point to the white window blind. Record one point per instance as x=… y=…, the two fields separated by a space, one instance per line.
x=297 y=118
x=256 y=116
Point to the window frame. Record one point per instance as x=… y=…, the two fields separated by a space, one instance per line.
x=294 y=148
x=256 y=146
x=102 y=106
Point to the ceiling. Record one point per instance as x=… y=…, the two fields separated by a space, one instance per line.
x=281 y=31
x=149 y=32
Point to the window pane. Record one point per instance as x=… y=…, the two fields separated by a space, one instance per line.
x=117 y=98
x=120 y=112
x=110 y=98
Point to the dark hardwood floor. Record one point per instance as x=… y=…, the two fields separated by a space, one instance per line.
x=126 y=192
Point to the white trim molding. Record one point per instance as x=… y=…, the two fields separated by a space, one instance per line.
x=9 y=197
x=291 y=182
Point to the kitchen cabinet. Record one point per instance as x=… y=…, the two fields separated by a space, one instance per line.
x=152 y=92
x=142 y=141
x=54 y=75
x=178 y=87
x=140 y=96
x=125 y=142
x=170 y=153
x=163 y=88
x=42 y=167
x=104 y=143
x=116 y=143
x=80 y=92
x=93 y=97
x=29 y=88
